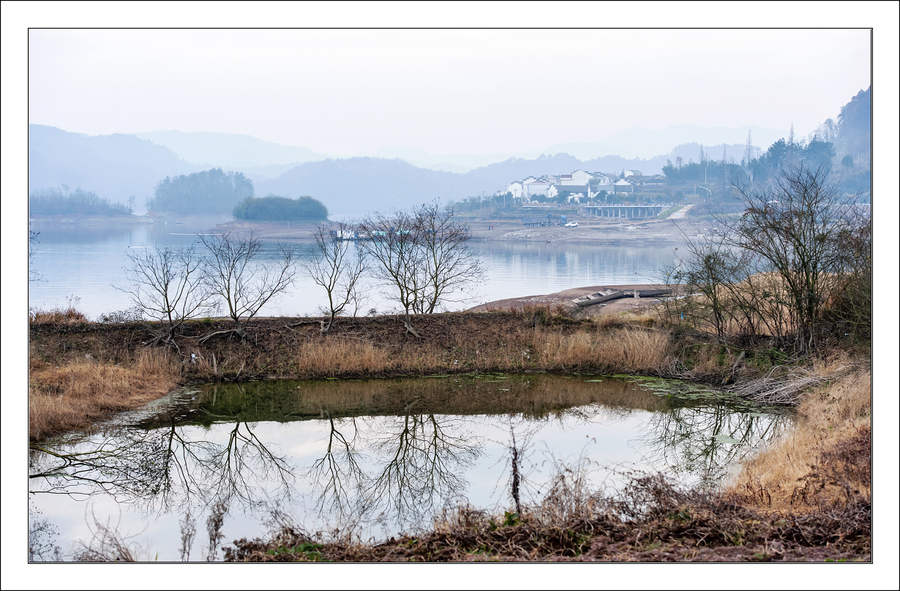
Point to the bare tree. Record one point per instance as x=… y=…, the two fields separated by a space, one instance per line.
x=32 y=248
x=167 y=286
x=452 y=270
x=335 y=268
x=391 y=243
x=422 y=257
x=235 y=273
x=795 y=227
x=795 y=253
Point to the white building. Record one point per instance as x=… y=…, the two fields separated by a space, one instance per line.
x=533 y=186
x=580 y=177
x=515 y=188
x=623 y=186
x=602 y=181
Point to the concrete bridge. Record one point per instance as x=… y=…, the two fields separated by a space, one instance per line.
x=624 y=211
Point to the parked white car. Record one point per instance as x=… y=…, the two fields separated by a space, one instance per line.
x=572 y=225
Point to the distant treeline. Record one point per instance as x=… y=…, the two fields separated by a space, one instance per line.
x=55 y=201
x=274 y=208
x=210 y=191
x=851 y=132
x=771 y=162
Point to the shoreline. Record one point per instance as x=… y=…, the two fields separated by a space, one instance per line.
x=591 y=230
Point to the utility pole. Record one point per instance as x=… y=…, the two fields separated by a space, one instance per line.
x=748 y=149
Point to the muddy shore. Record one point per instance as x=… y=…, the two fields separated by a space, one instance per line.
x=590 y=230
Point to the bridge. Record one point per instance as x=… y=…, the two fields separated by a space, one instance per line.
x=624 y=211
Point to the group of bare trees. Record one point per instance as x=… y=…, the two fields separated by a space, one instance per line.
x=797 y=264
x=171 y=285
x=419 y=257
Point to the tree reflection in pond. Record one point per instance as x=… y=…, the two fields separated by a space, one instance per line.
x=161 y=469
x=705 y=441
x=421 y=465
x=337 y=475
x=416 y=465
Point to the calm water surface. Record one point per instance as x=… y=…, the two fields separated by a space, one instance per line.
x=375 y=458
x=82 y=265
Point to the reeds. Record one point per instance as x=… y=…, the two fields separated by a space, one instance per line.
x=833 y=421
x=56 y=316
x=624 y=350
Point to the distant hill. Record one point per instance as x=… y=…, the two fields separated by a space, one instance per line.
x=355 y=186
x=112 y=166
x=229 y=150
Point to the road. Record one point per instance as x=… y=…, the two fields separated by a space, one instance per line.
x=680 y=213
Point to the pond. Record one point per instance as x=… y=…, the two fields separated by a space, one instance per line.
x=371 y=459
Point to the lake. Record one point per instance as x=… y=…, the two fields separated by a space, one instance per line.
x=83 y=264
x=371 y=458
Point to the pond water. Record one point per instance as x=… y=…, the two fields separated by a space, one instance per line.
x=83 y=264
x=373 y=458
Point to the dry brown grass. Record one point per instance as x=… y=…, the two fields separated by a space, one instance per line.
x=75 y=395
x=623 y=350
x=341 y=356
x=825 y=453
x=56 y=316
x=336 y=356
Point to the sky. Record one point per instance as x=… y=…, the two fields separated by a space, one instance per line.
x=445 y=91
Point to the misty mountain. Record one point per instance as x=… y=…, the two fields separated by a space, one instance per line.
x=461 y=163
x=112 y=166
x=640 y=142
x=229 y=150
x=355 y=186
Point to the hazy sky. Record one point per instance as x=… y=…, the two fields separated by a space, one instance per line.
x=442 y=91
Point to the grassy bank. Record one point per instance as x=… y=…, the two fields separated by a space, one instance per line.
x=90 y=370
x=825 y=461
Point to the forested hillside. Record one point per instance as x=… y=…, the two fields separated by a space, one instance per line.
x=207 y=192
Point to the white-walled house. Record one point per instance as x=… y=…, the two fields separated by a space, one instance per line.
x=533 y=186
x=515 y=188
x=623 y=186
x=581 y=177
x=581 y=185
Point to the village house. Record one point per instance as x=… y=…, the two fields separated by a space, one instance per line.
x=534 y=187
x=579 y=186
x=515 y=189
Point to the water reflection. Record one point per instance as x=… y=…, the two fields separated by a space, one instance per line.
x=705 y=441
x=164 y=468
x=421 y=465
x=377 y=457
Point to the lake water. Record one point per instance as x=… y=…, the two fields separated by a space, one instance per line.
x=82 y=264
x=375 y=458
